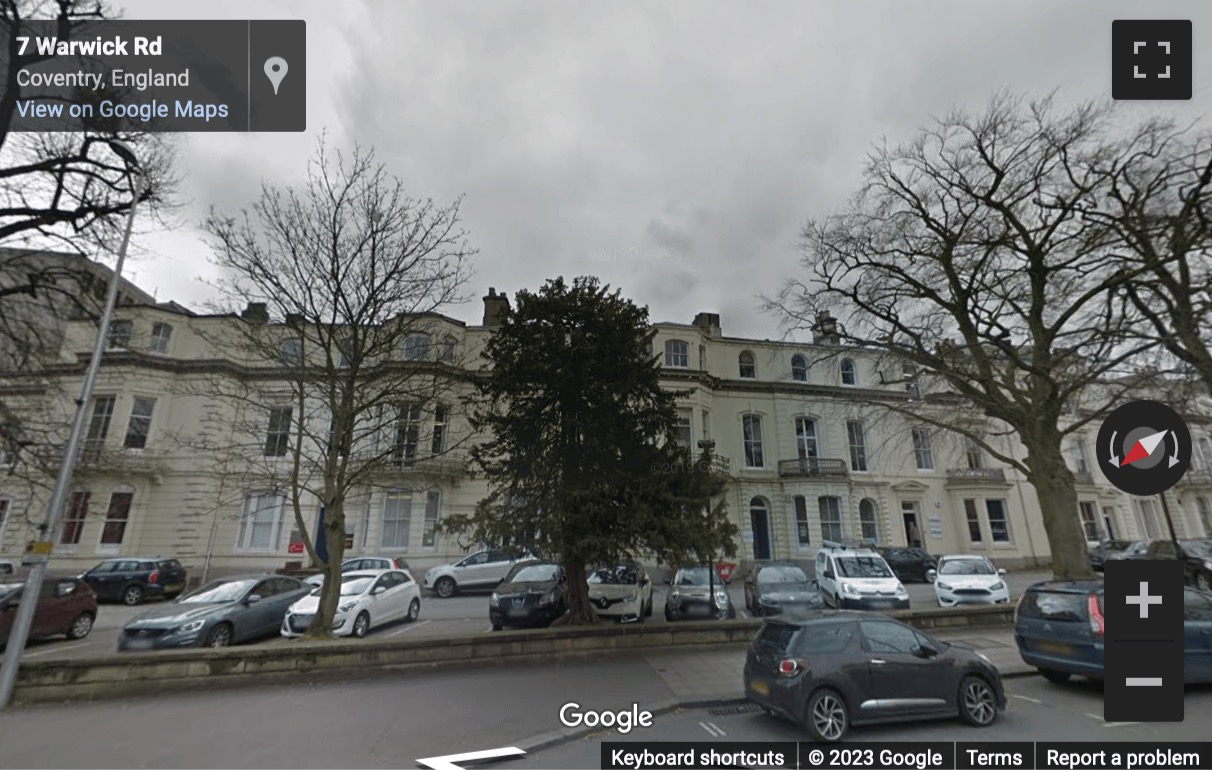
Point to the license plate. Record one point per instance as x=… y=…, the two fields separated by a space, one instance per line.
x=139 y=644
x=761 y=688
x=173 y=587
x=517 y=611
x=1054 y=647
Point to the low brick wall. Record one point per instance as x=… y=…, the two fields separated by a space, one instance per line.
x=294 y=661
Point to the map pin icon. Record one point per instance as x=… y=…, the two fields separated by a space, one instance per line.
x=275 y=70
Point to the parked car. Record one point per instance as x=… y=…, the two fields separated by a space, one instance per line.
x=130 y=580
x=697 y=593
x=225 y=611
x=482 y=569
x=65 y=606
x=1099 y=553
x=1195 y=554
x=836 y=669
x=775 y=588
x=361 y=564
x=621 y=591
x=369 y=599
x=910 y=565
x=7 y=567
x=968 y=579
x=1135 y=549
x=534 y=593
x=1059 y=627
x=850 y=578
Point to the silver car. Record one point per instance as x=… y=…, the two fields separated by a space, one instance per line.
x=698 y=593
x=482 y=569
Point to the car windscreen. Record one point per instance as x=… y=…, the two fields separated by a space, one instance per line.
x=863 y=567
x=352 y=586
x=781 y=574
x=618 y=574
x=219 y=591
x=966 y=567
x=537 y=573
x=694 y=576
x=9 y=590
x=824 y=637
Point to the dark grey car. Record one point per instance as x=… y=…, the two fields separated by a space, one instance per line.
x=222 y=612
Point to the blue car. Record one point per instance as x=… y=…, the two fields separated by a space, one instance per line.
x=1058 y=627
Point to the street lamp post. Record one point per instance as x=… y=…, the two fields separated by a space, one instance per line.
x=33 y=584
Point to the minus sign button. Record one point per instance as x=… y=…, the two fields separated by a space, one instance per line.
x=1143 y=681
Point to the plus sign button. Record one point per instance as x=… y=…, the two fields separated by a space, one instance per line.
x=1151 y=59
x=1143 y=599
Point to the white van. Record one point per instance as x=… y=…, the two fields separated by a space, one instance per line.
x=856 y=578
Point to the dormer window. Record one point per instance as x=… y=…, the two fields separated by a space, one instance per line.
x=416 y=347
x=292 y=352
x=849 y=372
x=747 y=366
x=119 y=335
x=161 y=334
x=677 y=354
x=449 y=347
x=799 y=368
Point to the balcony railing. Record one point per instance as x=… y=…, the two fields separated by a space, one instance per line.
x=1083 y=477
x=811 y=467
x=1198 y=477
x=975 y=475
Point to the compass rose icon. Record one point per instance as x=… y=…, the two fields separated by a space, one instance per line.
x=1144 y=448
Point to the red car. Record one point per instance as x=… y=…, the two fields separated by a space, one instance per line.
x=67 y=606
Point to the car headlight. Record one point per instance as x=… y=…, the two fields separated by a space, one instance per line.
x=547 y=598
x=942 y=585
x=347 y=606
x=673 y=595
x=721 y=598
x=494 y=600
x=1208 y=565
x=632 y=598
x=901 y=591
x=189 y=627
x=849 y=588
x=768 y=600
x=999 y=585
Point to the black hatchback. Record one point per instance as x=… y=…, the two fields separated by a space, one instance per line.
x=834 y=669
x=910 y=565
x=130 y=580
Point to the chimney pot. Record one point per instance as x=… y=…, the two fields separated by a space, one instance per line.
x=495 y=306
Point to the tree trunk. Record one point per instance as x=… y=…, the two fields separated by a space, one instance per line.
x=580 y=611
x=1053 y=483
x=334 y=532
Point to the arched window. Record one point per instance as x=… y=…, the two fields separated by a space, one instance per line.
x=416 y=347
x=677 y=353
x=849 y=372
x=799 y=368
x=867 y=522
x=748 y=368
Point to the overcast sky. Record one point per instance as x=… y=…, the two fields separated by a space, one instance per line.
x=673 y=149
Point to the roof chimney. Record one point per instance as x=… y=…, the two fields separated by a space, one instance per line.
x=825 y=332
x=709 y=323
x=495 y=306
x=257 y=312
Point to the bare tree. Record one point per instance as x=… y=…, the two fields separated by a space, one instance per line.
x=342 y=381
x=965 y=256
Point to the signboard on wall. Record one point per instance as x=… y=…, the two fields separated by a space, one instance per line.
x=935 y=525
x=747 y=536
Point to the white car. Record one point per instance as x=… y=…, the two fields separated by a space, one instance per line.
x=621 y=591
x=857 y=579
x=968 y=579
x=482 y=569
x=369 y=599
x=362 y=563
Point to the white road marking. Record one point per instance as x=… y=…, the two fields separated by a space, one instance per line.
x=409 y=627
x=1024 y=697
x=717 y=727
x=712 y=730
x=55 y=648
x=1099 y=717
x=745 y=614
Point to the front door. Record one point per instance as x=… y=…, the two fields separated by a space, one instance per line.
x=913 y=533
x=759 y=519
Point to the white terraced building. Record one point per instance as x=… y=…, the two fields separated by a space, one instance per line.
x=806 y=463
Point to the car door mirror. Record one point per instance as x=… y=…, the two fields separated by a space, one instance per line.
x=931 y=575
x=1001 y=572
x=925 y=651
x=252 y=598
x=377 y=590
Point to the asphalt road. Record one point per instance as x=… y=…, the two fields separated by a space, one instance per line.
x=391 y=721
x=456 y=616
x=1038 y=711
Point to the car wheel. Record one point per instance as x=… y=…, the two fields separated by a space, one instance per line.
x=668 y=615
x=81 y=626
x=219 y=636
x=497 y=626
x=827 y=718
x=132 y=595
x=648 y=609
x=978 y=704
x=414 y=611
x=445 y=587
x=361 y=625
x=1056 y=677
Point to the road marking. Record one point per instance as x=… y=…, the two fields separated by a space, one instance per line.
x=57 y=648
x=712 y=730
x=409 y=627
x=1099 y=717
x=745 y=613
x=1024 y=697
